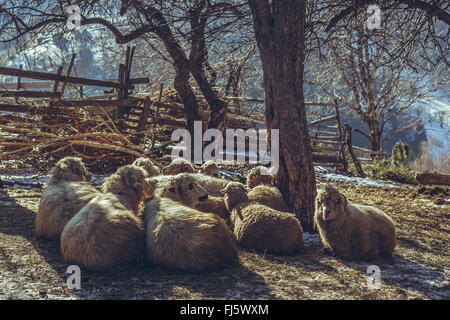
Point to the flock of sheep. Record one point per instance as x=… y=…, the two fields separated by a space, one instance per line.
x=180 y=219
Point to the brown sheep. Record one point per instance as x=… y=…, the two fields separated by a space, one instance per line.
x=256 y=178
x=256 y=226
x=107 y=233
x=210 y=168
x=180 y=237
x=178 y=165
x=66 y=192
x=352 y=231
x=268 y=196
x=148 y=166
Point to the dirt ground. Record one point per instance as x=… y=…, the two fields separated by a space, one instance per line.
x=33 y=268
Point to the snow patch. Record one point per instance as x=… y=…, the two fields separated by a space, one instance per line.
x=330 y=174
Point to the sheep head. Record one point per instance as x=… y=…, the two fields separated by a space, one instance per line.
x=329 y=203
x=210 y=168
x=184 y=188
x=234 y=194
x=129 y=177
x=69 y=169
x=147 y=165
x=178 y=165
x=255 y=177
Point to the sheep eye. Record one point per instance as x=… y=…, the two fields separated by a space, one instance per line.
x=190 y=186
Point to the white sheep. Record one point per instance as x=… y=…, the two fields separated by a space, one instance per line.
x=66 y=192
x=178 y=165
x=256 y=226
x=210 y=168
x=148 y=166
x=107 y=233
x=353 y=231
x=181 y=237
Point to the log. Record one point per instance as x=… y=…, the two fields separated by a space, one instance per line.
x=30 y=94
x=320 y=158
x=55 y=77
x=433 y=178
x=327 y=119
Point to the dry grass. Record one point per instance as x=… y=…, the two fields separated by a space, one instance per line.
x=33 y=268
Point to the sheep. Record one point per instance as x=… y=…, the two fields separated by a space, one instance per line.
x=256 y=226
x=183 y=188
x=214 y=205
x=212 y=185
x=148 y=166
x=352 y=231
x=210 y=168
x=180 y=237
x=178 y=165
x=107 y=233
x=66 y=192
x=268 y=196
x=256 y=178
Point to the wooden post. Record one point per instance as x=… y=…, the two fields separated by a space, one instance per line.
x=348 y=131
x=69 y=70
x=342 y=138
x=120 y=95
x=18 y=85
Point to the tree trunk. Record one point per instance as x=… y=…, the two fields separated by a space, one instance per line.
x=180 y=62
x=375 y=139
x=279 y=29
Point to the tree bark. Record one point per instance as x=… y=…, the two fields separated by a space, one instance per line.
x=198 y=61
x=181 y=63
x=375 y=138
x=279 y=29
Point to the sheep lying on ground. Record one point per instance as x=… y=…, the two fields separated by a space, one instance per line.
x=107 y=233
x=178 y=165
x=66 y=192
x=148 y=166
x=259 y=227
x=353 y=231
x=180 y=237
x=268 y=196
x=210 y=168
x=256 y=178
